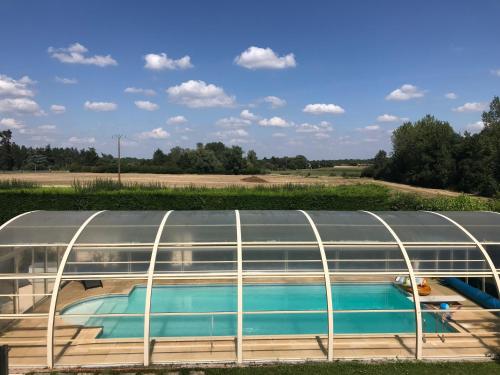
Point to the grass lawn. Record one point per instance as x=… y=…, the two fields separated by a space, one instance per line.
x=341 y=368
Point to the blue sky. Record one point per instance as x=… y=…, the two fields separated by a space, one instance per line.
x=321 y=78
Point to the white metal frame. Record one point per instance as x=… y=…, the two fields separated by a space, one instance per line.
x=478 y=244
x=15 y=218
x=55 y=292
x=239 y=325
x=416 y=297
x=328 y=284
x=147 y=304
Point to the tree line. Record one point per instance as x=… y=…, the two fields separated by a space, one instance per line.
x=429 y=153
x=214 y=157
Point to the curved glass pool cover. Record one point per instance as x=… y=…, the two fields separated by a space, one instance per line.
x=142 y=287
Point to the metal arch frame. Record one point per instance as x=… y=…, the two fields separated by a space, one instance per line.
x=55 y=291
x=416 y=297
x=149 y=287
x=328 y=285
x=477 y=243
x=15 y=218
x=239 y=325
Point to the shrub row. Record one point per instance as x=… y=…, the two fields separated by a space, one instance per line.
x=354 y=197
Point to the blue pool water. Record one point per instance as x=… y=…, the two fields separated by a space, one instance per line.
x=222 y=298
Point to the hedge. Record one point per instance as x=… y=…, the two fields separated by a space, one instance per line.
x=354 y=197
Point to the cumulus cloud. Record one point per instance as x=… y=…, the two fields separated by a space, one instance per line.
x=247 y=115
x=232 y=133
x=264 y=58
x=274 y=101
x=66 y=81
x=471 y=107
x=405 y=92
x=391 y=118
x=369 y=128
x=198 y=94
x=451 y=95
x=83 y=140
x=20 y=105
x=322 y=127
x=77 y=54
x=232 y=122
x=176 y=120
x=157 y=133
x=146 y=105
x=162 y=62
x=11 y=123
x=475 y=127
x=320 y=109
x=12 y=87
x=57 y=109
x=135 y=90
x=100 y=106
x=279 y=135
x=274 y=122
x=47 y=127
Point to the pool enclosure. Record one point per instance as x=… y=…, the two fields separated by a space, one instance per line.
x=111 y=288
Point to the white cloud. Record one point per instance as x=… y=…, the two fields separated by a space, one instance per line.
x=264 y=58
x=47 y=127
x=146 y=105
x=157 y=133
x=100 y=106
x=369 y=128
x=162 y=62
x=39 y=130
x=176 y=120
x=274 y=101
x=391 y=118
x=471 y=107
x=11 y=123
x=57 y=109
x=279 y=135
x=135 y=90
x=405 y=92
x=495 y=72
x=322 y=135
x=322 y=127
x=274 y=122
x=247 y=115
x=11 y=87
x=232 y=122
x=241 y=133
x=451 y=95
x=198 y=94
x=319 y=109
x=83 y=140
x=475 y=127
x=20 y=105
x=66 y=81
x=76 y=54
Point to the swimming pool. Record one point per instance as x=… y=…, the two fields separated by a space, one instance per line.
x=256 y=298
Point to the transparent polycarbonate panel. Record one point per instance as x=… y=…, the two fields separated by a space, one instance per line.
x=44 y=227
x=196 y=259
x=446 y=258
x=276 y=226
x=27 y=341
x=30 y=259
x=484 y=226
x=494 y=254
x=422 y=227
x=118 y=227
x=350 y=226
x=291 y=258
x=102 y=260
x=365 y=259
x=200 y=227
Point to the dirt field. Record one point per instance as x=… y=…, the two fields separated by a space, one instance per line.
x=180 y=180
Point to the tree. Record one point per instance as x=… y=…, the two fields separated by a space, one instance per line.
x=6 y=154
x=159 y=157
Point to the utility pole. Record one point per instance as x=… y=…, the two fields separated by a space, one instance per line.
x=119 y=141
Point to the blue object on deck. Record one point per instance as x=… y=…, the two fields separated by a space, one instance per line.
x=477 y=295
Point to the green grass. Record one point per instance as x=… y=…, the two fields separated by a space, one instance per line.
x=17 y=184
x=341 y=368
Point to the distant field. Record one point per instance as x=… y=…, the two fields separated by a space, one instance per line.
x=321 y=176
x=337 y=171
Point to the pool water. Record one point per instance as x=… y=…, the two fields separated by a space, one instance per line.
x=260 y=298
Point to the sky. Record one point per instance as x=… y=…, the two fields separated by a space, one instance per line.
x=325 y=79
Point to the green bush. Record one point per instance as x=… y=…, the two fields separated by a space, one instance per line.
x=110 y=196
